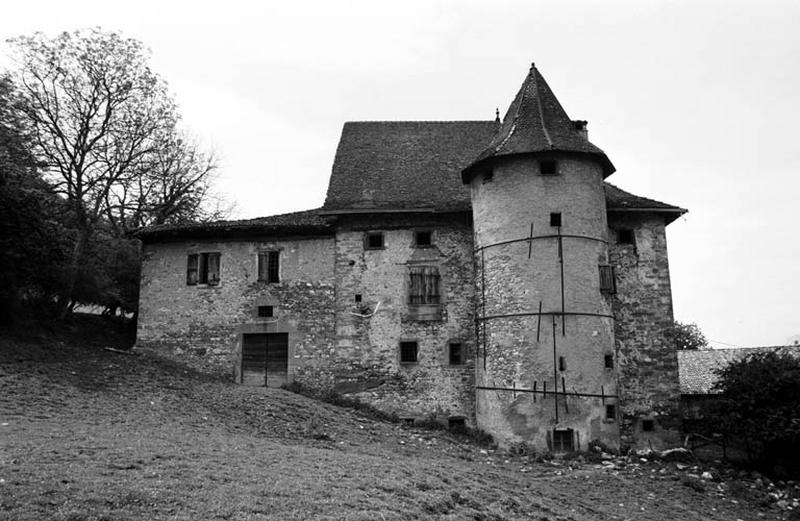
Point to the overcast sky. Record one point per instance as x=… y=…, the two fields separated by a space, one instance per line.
x=696 y=103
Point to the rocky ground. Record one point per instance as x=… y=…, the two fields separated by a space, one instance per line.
x=92 y=434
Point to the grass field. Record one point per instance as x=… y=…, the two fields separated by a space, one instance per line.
x=88 y=434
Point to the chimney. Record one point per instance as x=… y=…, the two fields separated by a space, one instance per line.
x=580 y=126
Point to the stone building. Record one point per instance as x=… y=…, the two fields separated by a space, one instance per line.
x=476 y=272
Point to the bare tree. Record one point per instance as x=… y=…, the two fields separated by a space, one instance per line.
x=104 y=129
x=174 y=186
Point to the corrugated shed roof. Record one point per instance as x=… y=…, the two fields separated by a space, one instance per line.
x=405 y=164
x=534 y=123
x=696 y=368
x=307 y=222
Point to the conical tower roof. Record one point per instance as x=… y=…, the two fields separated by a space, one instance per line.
x=535 y=123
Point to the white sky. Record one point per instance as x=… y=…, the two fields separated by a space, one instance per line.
x=694 y=102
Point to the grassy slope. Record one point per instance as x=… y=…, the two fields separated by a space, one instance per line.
x=90 y=434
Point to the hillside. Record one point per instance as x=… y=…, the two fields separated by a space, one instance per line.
x=89 y=434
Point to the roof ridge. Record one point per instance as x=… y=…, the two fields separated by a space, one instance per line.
x=442 y=121
x=538 y=97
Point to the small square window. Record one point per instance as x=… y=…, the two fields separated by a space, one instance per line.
x=625 y=236
x=555 y=219
x=611 y=412
x=648 y=425
x=608 y=361
x=266 y=311
x=562 y=363
x=548 y=167
x=488 y=176
x=374 y=241
x=358 y=297
x=455 y=353
x=408 y=352
x=563 y=440
x=457 y=424
x=423 y=239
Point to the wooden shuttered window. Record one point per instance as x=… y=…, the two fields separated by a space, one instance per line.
x=608 y=281
x=203 y=268
x=211 y=274
x=191 y=269
x=269 y=266
x=424 y=285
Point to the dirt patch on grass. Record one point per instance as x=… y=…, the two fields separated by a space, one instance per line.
x=92 y=434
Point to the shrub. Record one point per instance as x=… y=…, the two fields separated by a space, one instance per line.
x=759 y=404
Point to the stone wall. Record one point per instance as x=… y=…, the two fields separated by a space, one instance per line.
x=529 y=350
x=366 y=362
x=648 y=363
x=208 y=321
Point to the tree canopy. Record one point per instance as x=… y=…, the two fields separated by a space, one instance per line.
x=102 y=130
x=688 y=336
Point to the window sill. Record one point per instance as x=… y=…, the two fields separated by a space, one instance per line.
x=425 y=312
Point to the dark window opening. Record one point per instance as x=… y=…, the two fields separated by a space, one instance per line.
x=358 y=297
x=374 y=241
x=456 y=355
x=423 y=239
x=202 y=268
x=611 y=412
x=562 y=363
x=488 y=176
x=608 y=280
x=625 y=236
x=424 y=285
x=555 y=219
x=269 y=266
x=563 y=440
x=408 y=352
x=548 y=167
x=266 y=311
x=648 y=425
x=609 y=361
x=457 y=424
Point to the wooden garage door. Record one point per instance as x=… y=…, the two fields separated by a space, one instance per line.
x=254 y=359
x=265 y=359
x=277 y=359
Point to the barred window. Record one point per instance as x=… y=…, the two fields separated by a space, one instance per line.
x=424 y=285
x=269 y=266
x=408 y=352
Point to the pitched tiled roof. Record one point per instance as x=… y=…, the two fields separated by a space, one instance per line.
x=534 y=123
x=696 y=368
x=307 y=222
x=404 y=164
x=619 y=200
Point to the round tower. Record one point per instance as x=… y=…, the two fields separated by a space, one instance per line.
x=546 y=362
